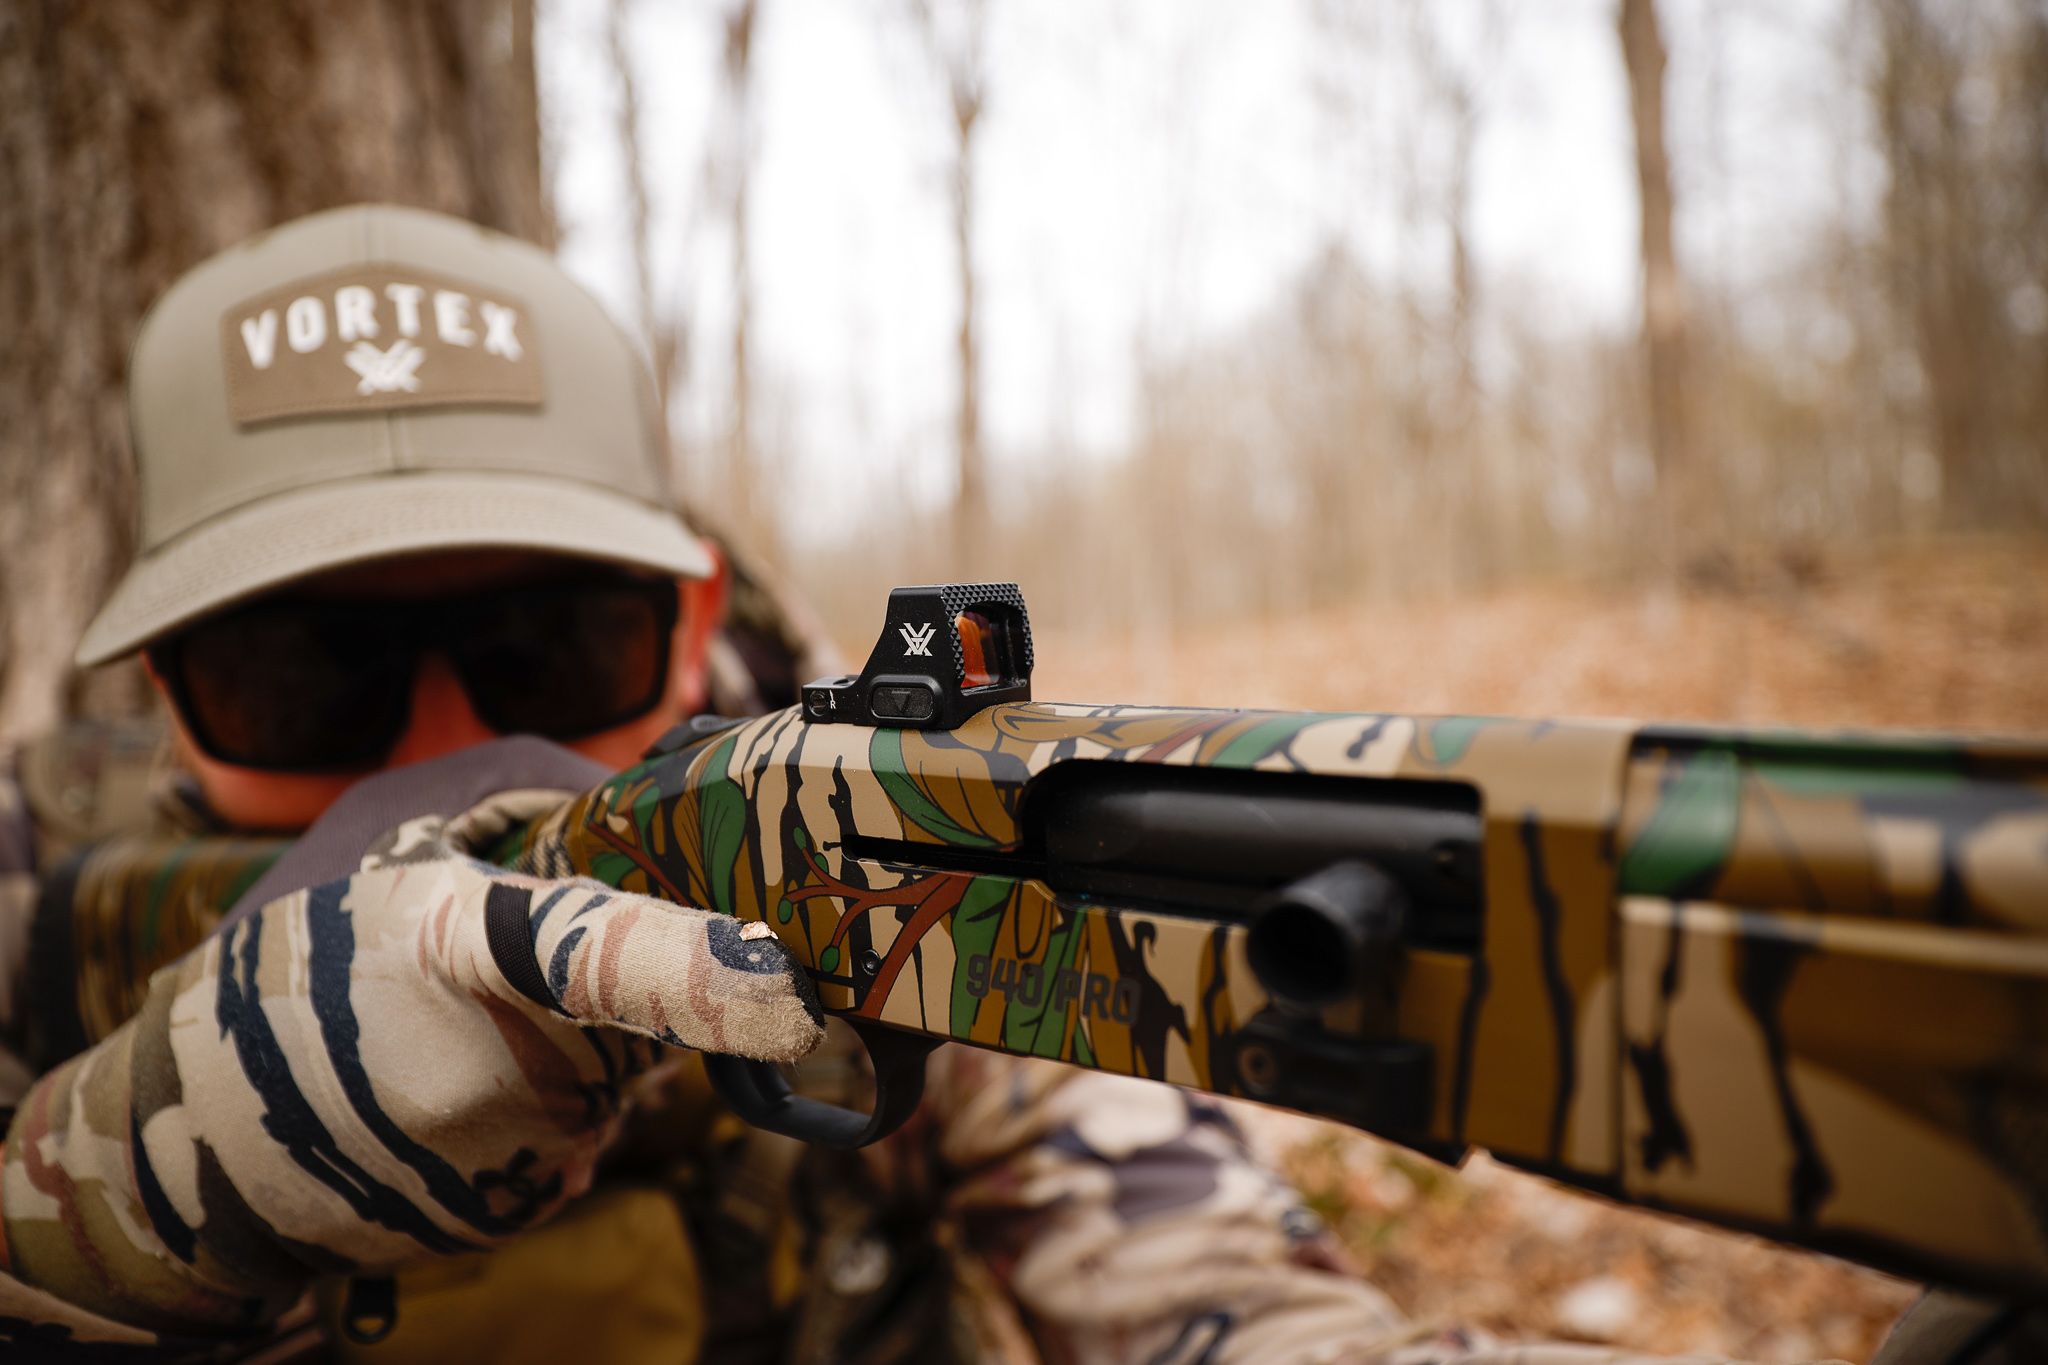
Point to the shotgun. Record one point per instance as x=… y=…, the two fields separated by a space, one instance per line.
x=1786 y=982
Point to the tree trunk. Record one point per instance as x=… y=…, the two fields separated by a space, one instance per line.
x=1663 y=323
x=1942 y=250
x=139 y=139
x=751 y=513
x=657 y=325
x=970 y=521
x=955 y=35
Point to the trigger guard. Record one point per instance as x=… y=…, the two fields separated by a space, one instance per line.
x=758 y=1092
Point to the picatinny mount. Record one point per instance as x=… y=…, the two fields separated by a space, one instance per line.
x=945 y=652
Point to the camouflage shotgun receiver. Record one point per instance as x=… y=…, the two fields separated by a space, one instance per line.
x=1785 y=982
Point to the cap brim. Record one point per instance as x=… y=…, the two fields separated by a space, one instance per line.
x=293 y=535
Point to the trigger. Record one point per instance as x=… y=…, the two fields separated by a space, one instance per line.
x=760 y=1094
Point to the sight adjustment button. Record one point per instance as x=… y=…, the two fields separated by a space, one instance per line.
x=895 y=702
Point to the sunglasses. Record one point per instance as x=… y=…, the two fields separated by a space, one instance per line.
x=312 y=684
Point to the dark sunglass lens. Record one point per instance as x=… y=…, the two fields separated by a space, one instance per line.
x=564 y=661
x=291 y=687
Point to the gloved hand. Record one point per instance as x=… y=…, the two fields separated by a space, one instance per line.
x=357 y=1077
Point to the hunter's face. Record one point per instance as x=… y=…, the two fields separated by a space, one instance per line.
x=441 y=716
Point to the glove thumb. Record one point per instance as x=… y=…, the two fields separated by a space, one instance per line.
x=683 y=976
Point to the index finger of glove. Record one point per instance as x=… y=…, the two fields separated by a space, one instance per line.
x=684 y=976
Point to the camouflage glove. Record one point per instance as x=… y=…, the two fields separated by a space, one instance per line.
x=349 y=1081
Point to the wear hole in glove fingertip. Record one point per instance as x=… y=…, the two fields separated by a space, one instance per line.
x=753 y=948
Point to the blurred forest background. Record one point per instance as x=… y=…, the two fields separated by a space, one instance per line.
x=1183 y=314
x=1638 y=356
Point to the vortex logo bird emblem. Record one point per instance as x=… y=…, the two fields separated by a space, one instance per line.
x=387 y=371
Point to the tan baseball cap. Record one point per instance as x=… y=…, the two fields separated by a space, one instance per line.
x=377 y=381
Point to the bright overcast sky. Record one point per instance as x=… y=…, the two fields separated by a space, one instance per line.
x=1152 y=172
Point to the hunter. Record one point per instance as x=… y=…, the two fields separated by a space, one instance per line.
x=402 y=492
